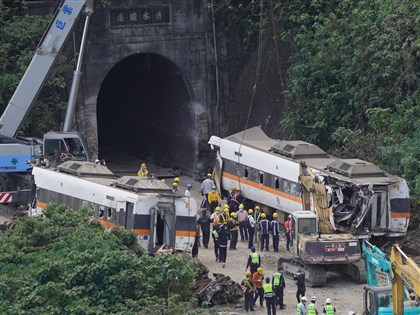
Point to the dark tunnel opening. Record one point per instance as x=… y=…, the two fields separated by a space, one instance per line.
x=144 y=109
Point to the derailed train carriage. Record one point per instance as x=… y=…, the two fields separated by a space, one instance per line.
x=145 y=206
x=365 y=200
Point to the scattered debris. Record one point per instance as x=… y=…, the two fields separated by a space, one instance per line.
x=221 y=290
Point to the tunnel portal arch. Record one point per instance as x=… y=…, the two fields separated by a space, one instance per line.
x=144 y=107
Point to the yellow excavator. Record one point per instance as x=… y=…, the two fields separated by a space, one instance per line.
x=315 y=241
x=407 y=272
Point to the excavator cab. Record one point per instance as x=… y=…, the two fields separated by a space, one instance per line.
x=65 y=146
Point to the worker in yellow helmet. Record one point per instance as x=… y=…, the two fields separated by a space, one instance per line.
x=248 y=286
x=213 y=199
x=234 y=230
x=143 y=172
x=175 y=189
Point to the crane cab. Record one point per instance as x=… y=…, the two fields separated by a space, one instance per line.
x=67 y=145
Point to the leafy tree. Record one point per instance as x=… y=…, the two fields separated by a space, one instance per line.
x=63 y=262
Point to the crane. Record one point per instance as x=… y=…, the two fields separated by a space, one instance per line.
x=16 y=152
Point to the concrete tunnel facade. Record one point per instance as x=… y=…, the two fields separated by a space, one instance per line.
x=148 y=88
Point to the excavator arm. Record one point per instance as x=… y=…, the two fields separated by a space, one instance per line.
x=311 y=184
x=375 y=259
x=405 y=271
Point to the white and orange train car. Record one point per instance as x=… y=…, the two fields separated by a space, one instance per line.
x=145 y=206
x=365 y=200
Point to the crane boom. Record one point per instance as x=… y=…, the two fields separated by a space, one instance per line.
x=42 y=63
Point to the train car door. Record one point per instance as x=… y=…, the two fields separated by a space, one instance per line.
x=217 y=173
x=162 y=226
x=125 y=215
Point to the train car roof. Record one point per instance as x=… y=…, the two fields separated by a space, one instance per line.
x=354 y=170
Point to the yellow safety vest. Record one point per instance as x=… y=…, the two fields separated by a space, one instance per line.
x=329 y=309
x=298 y=309
x=255 y=258
x=311 y=309
x=276 y=280
x=268 y=290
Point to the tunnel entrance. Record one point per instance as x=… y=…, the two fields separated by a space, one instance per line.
x=144 y=109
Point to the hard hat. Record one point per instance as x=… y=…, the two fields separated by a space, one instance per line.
x=241 y=206
x=234 y=188
x=213 y=187
x=313 y=299
x=97 y=161
x=303 y=299
x=189 y=186
x=143 y=165
x=352 y=313
x=177 y=179
x=289 y=216
x=233 y=214
x=259 y=270
x=328 y=301
x=226 y=210
x=257 y=207
x=208 y=175
x=175 y=184
x=275 y=215
x=217 y=209
x=163 y=181
x=250 y=211
x=248 y=273
x=225 y=206
x=263 y=215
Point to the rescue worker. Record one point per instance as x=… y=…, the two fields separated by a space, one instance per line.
x=206 y=186
x=254 y=261
x=234 y=231
x=279 y=284
x=270 y=297
x=224 y=216
x=275 y=231
x=300 y=283
x=204 y=221
x=248 y=287
x=175 y=189
x=230 y=195
x=264 y=228
x=311 y=309
x=215 y=218
x=236 y=200
x=257 y=217
x=242 y=218
x=301 y=308
x=143 y=172
x=194 y=250
x=187 y=192
x=328 y=308
x=251 y=229
x=213 y=199
x=288 y=227
x=258 y=278
x=223 y=241
x=215 y=235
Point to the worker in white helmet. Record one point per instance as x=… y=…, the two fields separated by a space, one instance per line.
x=328 y=308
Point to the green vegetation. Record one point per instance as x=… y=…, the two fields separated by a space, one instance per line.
x=66 y=263
x=353 y=76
